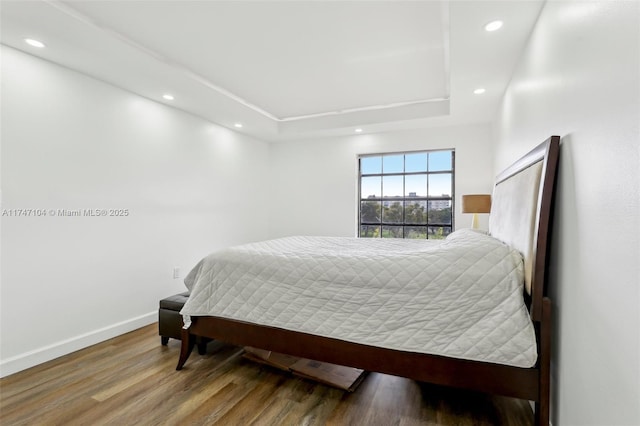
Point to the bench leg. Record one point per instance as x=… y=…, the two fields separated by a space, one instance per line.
x=202 y=347
x=164 y=340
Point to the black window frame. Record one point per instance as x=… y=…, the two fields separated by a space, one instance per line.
x=405 y=198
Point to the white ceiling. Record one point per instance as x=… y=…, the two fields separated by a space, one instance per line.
x=289 y=69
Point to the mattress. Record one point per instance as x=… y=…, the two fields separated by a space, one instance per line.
x=460 y=297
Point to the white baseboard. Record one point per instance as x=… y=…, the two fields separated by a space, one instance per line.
x=47 y=353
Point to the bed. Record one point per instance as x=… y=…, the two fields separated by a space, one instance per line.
x=508 y=355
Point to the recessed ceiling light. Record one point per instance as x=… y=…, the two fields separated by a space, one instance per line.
x=493 y=25
x=34 y=43
x=479 y=91
x=358 y=130
x=238 y=125
x=168 y=97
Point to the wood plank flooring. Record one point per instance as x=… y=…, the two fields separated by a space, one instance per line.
x=132 y=380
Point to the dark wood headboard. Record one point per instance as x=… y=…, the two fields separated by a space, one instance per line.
x=521 y=212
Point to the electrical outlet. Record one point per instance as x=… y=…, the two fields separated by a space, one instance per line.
x=176 y=272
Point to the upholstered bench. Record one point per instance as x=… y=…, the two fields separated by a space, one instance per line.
x=170 y=321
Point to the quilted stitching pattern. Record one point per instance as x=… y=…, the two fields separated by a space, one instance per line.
x=461 y=297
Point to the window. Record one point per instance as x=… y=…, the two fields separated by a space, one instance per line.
x=406 y=195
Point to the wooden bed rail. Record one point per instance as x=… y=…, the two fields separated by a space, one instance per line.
x=516 y=382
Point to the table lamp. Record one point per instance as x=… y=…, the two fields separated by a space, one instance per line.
x=476 y=203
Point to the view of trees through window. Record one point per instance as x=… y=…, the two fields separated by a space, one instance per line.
x=406 y=195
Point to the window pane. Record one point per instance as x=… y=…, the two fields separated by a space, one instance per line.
x=410 y=196
x=370 y=231
x=438 y=232
x=370 y=165
x=415 y=162
x=416 y=232
x=392 y=211
x=370 y=211
x=440 y=185
x=392 y=232
x=392 y=186
x=371 y=187
x=393 y=164
x=440 y=161
x=440 y=212
x=415 y=186
x=415 y=212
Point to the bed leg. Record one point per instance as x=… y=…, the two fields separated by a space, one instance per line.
x=188 y=342
x=202 y=346
x=542 y=406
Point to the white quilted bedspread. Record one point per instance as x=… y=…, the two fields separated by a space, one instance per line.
x=461 y=297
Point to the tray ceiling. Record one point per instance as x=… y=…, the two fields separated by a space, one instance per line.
x=290 y=68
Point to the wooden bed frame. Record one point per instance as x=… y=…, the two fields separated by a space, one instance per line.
x=524 y=383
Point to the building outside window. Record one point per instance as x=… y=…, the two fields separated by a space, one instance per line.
x=406 y=195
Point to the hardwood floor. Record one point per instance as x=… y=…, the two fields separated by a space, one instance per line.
x=132 y=380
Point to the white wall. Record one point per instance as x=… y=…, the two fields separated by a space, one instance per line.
x=579 y=78
x=72 y=142
x=314 y=182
